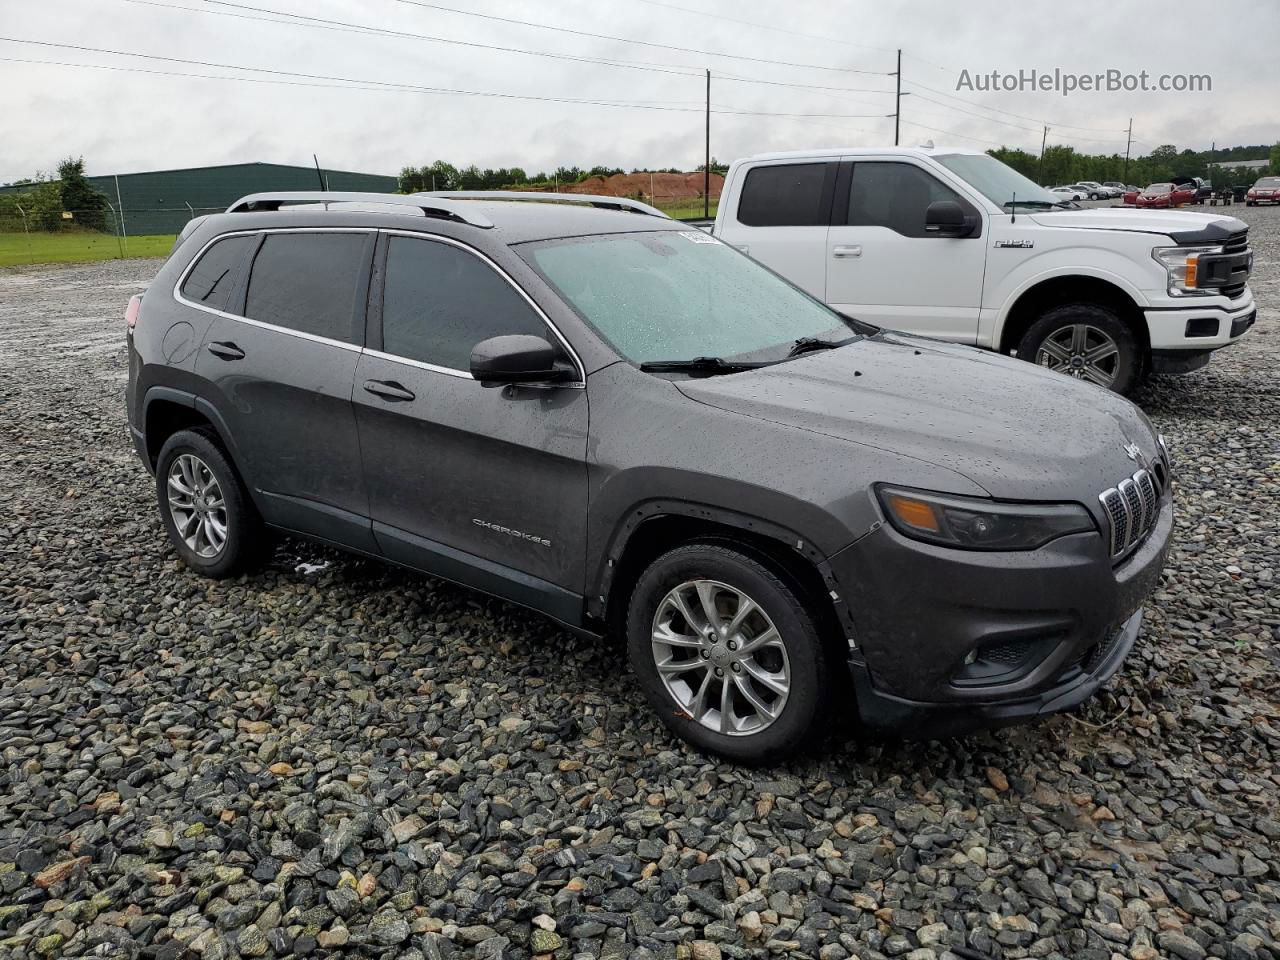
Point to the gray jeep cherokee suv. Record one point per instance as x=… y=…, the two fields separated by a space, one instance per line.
x=605 y=416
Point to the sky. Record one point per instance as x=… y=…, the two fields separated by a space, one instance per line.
x=366 y=102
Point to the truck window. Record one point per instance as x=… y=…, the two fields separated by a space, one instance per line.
x=895 y=195
x=787 y=195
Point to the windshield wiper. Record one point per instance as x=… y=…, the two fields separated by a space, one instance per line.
x=709 y=365
x=1034 y=203
x=809 y=344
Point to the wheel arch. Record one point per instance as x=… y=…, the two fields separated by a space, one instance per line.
x=166 y=410
x=1031 y=302
x=652 y=528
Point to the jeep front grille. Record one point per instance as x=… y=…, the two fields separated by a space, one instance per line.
x=1131 y=507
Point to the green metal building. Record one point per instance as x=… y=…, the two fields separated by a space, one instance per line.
x=162 y=201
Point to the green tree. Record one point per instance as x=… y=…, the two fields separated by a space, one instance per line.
x=87 y=204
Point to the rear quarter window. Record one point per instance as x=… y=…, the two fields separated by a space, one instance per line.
x=787 y=195
x=217 y=272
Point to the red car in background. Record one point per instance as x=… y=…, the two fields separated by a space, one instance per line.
x=1266 y=190
x=1167 y=194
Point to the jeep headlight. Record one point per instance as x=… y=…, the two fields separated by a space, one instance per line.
x=973 y=523
x=1182 y=266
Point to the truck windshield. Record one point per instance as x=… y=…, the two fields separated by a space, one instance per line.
x=681 y=295
x=996 y=181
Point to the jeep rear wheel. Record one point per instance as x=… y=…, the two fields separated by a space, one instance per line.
x=1087 y=341
x=727 y=654
x=206 y=510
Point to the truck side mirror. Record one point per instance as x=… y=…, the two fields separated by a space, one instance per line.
x=946 y=218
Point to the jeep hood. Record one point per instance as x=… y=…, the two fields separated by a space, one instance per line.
x=1016 y=430
x=1182 y=225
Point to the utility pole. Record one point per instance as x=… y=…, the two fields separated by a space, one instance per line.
x=1043 y=140
x=1129 y=142
x=897 y=99
x=706 y=170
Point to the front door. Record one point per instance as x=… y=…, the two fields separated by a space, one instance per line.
x=883 y=267
x=480 y=485
x=281 y=359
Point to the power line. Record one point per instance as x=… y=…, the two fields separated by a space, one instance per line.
x=341 y=26
x=643 y=43
x=765 y=26
x=950 y=133
x=1008 y=113
x=360 y=83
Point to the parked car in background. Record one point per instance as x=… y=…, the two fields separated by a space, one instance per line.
x=954 y=244
x=1116 y=187
x=1094 y=190
x=1069 y=193
x=1130 y=197
x=1204 y=189
x=1265 y=190
x=1166 y=195
x=931 y=537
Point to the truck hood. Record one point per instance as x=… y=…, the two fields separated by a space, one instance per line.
x=1016 y=430
x=1182 y=225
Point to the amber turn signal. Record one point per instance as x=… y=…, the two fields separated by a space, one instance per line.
x=914 y=513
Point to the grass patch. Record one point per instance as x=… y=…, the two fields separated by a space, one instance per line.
x=76 y=246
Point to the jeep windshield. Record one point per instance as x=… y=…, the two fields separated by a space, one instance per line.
x=998 y=182
x=682 y=301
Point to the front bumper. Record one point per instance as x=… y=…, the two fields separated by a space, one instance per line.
x=1062 y=615
x=1224 y=321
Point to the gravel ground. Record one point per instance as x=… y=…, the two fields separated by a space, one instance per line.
x=334 y=757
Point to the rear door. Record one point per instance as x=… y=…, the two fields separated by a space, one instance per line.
x=883 y=267
x=781 y=218
x=485 y=486
x=279 y=361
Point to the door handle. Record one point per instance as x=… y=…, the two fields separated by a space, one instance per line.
x=388 y=390
x=226 y=350
x=844 y=252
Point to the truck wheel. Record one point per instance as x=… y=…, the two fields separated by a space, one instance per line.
x=206 y=510
x=1087 y=341
x=727 y=654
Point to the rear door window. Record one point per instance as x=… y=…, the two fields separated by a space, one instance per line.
x=310 y=282
x=787 y=195
x=217 y=272
x=439 y=301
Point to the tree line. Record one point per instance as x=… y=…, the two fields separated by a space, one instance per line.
x=1063 y=165
x=47 y=198
x=442 y=175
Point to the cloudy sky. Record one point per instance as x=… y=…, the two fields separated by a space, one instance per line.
x=354 y=88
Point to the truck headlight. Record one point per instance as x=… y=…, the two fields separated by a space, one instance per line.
x=1181 y=264
x=972 y=523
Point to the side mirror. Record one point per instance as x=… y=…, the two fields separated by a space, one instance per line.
x=946 y=218
x=518 y=358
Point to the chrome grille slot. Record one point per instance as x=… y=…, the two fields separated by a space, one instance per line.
x=1131 y=508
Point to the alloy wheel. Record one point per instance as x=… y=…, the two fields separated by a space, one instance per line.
x=1081 y=351
x=720 y=657
x=197 y=505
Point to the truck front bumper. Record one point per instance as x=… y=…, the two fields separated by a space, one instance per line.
x=1200 y=328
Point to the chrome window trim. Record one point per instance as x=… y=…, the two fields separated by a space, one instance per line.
x=579 y=384
x=262 y=324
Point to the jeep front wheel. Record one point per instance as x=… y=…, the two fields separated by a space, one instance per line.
x=727 y=654
x=1087 y=341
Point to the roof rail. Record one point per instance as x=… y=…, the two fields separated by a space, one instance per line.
x=440 y=208
x=589 y=199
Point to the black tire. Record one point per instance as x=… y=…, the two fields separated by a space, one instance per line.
x=805 y=707
x=246 y=542
x=1128 y=364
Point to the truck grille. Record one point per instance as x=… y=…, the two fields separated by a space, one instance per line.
x=1236 y=242
x=1132 y=506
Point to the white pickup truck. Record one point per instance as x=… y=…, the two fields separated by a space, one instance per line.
x=952 y=243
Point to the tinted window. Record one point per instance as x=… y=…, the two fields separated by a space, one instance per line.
x=895 y=195
x=217 y=272
x=440 y=301
x=307 y=282
x=786 y=195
